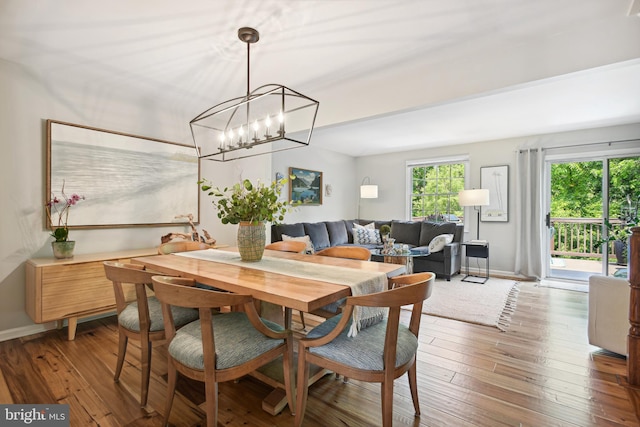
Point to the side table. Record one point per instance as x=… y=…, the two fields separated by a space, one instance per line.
x=476 y=249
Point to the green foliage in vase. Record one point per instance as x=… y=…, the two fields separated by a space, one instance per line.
x=245 y=201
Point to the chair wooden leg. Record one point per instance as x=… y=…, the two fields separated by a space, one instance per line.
x=146 y=371
x=413 y=386
x=302 y=390
x=304 y=326
x=211 y=405
x=387 y=402
x=122 y=350
x=171 y=389
x=289 y=376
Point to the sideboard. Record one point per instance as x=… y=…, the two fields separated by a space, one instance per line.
x=72 y=288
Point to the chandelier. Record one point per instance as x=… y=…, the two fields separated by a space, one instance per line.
x=267 y=119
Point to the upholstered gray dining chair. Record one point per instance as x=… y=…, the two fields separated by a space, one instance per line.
x=140 y=319
x=243 y=341
x=379 y=353
x=346 y=252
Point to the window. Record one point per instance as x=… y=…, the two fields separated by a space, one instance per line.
x=434 y=191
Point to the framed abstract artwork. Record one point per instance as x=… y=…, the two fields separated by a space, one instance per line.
x=126 y=180
x=305 y=187
x=496 y=180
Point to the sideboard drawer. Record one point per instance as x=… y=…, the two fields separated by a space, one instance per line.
x=73 y=288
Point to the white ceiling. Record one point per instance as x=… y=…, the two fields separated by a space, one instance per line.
x=389 y=75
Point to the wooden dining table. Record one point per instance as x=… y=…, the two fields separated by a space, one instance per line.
x=279 y=293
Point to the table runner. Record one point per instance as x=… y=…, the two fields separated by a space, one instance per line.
x=361 y=282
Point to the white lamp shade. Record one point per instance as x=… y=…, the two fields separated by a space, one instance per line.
x=476 y=197
x=368 y=191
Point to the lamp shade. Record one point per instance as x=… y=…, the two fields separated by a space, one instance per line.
x=476 y=197
x=368 y=191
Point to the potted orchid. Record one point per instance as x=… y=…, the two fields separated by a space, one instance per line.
x=59 y=208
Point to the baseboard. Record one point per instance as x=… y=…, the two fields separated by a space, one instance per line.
x=24 y=331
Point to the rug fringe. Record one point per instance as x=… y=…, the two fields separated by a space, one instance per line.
x=509 y=308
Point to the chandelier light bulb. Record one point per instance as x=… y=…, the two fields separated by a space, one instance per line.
x=221 y=145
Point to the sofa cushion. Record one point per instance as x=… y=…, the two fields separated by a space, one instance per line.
x=437 y=243
x=350 y=225
x=407 y=232
x=318 y=233
x=429 y=230
x=294 y=230
x=337 y=232
x=365 y=236
x=304 y=239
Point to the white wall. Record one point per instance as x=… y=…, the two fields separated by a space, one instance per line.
x=25 y=105
x=388 y=171
x=338 y=170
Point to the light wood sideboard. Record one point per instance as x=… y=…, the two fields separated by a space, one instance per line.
x=59 y=289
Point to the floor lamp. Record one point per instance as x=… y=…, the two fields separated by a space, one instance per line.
x=367 y=191
x=475 y=198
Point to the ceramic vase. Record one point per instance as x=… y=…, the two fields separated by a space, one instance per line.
x=63 y=250
x=251 y=240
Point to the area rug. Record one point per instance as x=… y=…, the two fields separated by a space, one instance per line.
x=491 y=303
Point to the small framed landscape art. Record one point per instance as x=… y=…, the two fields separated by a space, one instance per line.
x=496 y=180
x=305 y=186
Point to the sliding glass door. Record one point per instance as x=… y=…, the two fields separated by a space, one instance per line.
x=592 y=202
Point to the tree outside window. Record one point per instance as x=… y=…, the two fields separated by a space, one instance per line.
x=434 y=193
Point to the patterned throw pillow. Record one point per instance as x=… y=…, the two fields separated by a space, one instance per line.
x=306 y=239
x=370 y=226
x=439 y=242
x=365 y=236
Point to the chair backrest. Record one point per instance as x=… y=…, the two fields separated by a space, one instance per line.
x=287 y=246
x=121 y=273
x=181 y=292
x=410 y=289
x=349 y=252
x=181 y=246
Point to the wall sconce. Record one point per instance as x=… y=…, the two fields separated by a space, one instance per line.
x=368 y=190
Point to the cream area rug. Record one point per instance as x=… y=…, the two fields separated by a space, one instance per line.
x=491 y=303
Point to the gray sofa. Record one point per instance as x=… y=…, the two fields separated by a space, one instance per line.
x=415 y=234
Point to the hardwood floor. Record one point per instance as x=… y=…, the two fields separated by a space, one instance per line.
x=541 y=372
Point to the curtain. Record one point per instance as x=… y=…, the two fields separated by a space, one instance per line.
x=529 y=217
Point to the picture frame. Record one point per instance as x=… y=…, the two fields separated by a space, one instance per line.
x=306 y=186
x=496 y=180
x=126 y=180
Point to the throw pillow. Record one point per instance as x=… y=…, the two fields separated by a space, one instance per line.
x=306 y=239
x=365 y=236
x=370 y=226
x=439 y=242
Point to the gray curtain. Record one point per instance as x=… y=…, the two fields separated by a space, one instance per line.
x=529 y=217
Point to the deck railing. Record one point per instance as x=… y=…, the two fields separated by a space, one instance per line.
x=577 y=237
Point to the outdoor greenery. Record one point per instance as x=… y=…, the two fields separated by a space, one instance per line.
x=576 y=192
x=435 y=191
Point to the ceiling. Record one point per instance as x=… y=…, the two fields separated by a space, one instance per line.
x=389 y=75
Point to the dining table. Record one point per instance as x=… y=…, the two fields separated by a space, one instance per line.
x=277 y=282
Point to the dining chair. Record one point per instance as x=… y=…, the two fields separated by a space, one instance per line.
x=243 y=341
x=379 y=353
x=347 y=252
x=181 y=246
x=287 y=246
x=140 y=319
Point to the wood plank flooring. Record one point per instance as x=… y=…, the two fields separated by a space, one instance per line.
x=541 y=372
